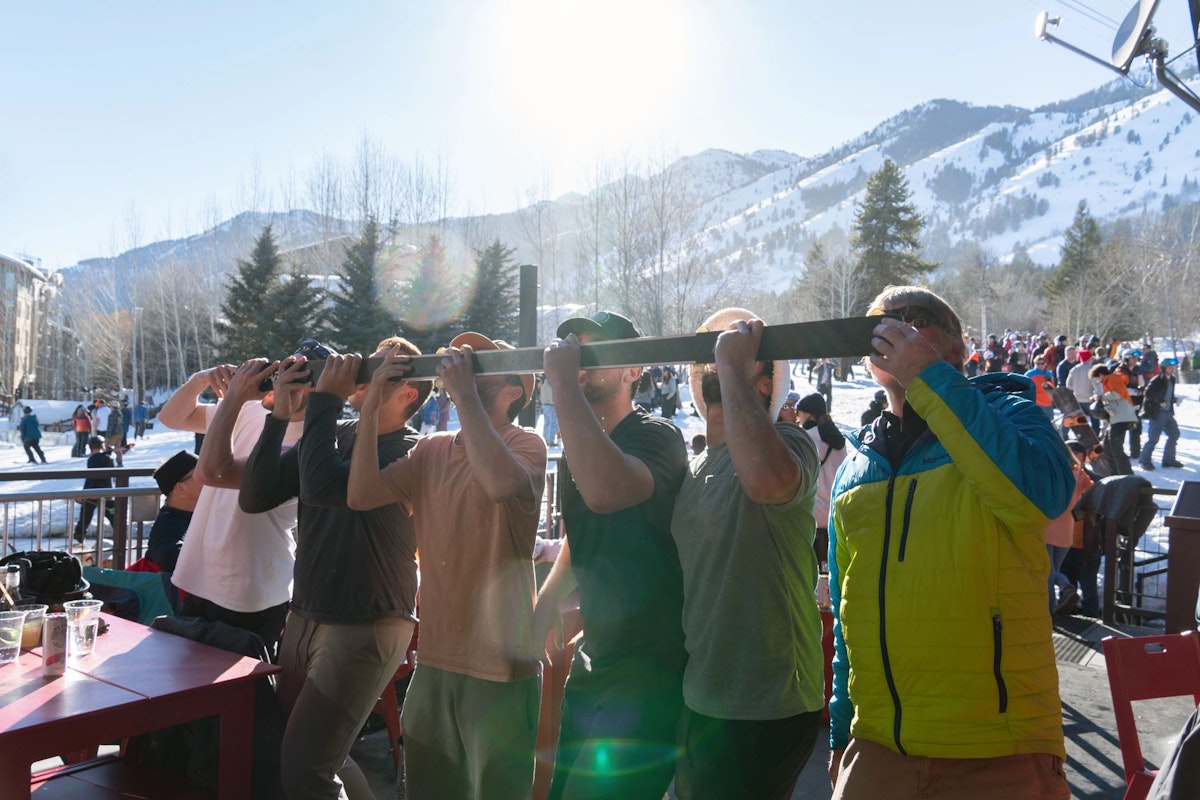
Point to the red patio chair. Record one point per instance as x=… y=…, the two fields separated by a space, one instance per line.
x=1145 y=668
x=554 y=679
x=388 y=704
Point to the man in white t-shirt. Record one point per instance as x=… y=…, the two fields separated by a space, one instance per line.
x=234 y=567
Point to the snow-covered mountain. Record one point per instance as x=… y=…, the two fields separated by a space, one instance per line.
x=1006 y=177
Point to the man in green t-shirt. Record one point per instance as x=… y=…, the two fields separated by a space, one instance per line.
x=743 y=525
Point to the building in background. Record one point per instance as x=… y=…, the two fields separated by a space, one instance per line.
x=40 y=356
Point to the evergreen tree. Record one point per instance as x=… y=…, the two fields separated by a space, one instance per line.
x=428 y=319
x=1069 y=286
x=357 y=316
x=246 y=323
x=494 y=307
x=886 y=232
x=299 y=313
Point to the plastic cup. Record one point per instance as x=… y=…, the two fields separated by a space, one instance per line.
x=11 y=625
x=35 y=615
x=83 y=623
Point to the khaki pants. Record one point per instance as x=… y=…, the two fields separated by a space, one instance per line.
x=871 y=771
x=332 y=675
x=467 y=737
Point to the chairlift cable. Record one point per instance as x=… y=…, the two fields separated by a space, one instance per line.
x=1095 y=16
x=1086 y=7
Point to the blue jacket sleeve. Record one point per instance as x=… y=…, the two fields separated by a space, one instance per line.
x=1004 y=445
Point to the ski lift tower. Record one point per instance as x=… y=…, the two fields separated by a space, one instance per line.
x=1136 y=37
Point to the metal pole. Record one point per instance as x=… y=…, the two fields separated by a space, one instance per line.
x=527 y=332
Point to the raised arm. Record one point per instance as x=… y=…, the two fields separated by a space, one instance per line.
x=184 y=411
x=324 y=474
x=497 y=469
x=271 y=476
x=768 y=470
x=608 y=479
x=365 y=488
x=217 y=466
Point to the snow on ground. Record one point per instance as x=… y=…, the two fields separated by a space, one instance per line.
x=850 y=399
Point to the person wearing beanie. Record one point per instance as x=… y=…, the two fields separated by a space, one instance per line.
x=877 y=407
x=177 y=481
x=1081 y=385
x=831 y=449
x=753 y=687
x=98 y=459
x=31 y=435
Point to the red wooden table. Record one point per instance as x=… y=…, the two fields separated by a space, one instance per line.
x=137 y=680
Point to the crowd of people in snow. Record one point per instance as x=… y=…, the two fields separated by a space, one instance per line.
x=695 y=571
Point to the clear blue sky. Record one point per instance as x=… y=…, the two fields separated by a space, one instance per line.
x=163 y=111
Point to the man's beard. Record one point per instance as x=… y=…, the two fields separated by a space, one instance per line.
x=488 y=390
x=597 y=393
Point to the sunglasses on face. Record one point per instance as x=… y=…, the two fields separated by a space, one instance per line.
x=917 y=316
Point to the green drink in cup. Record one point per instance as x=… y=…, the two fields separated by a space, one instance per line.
x=11 y=624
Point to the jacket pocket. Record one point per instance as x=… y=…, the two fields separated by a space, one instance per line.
x=997 y=653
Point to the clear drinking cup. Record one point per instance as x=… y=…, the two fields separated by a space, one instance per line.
x=35 y=615
x=83 y=623
x=11 y=624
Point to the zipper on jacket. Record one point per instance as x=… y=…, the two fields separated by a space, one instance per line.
x=883 y=649
x=908 y=504
x=997 y=649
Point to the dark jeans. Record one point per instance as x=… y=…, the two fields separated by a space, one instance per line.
x=87 y=510
x=1116 y=447
x=821 y=547
x=727 y=759
x=33 y=446
x=80 y=450
x=268 y=623
x=620 y=724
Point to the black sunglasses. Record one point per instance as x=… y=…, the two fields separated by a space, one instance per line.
x=311 y=348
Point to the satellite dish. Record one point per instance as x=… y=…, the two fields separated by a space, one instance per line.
x=1039 y=25
x=1127 y=43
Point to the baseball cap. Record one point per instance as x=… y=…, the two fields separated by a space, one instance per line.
x=1169 y=362
x=603 y=323
x=478 y=341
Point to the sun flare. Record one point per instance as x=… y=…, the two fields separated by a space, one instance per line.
x=586 y=75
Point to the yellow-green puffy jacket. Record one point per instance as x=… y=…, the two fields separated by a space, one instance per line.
x=938 y=576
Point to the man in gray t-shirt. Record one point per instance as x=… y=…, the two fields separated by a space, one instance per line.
x=743 y=526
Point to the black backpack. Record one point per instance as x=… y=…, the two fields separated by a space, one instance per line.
x=48 y=572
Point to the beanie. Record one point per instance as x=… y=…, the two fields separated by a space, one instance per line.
x=813 y=404
x=173 y=470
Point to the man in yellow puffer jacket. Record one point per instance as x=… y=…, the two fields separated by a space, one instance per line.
x=945 y=682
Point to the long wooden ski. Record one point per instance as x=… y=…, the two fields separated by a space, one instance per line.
x=832 y=338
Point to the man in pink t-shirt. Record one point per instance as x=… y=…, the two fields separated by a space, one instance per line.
x=470 y=715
